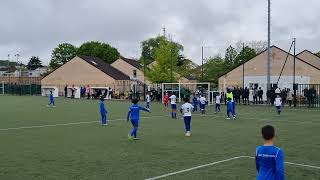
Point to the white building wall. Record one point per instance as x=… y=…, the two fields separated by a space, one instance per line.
x=284 y=82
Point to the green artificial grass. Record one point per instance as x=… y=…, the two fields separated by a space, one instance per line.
x=68 y=142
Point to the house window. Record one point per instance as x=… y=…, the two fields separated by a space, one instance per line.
x=134 y=73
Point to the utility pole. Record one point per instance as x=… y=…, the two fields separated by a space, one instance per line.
x=243 y=65
x=294 y=75
x=202 y=63
x=171 y=59
x=17 y=55
x=164 y=32
x=269 y=53
x=144 y=78
x=8 y=66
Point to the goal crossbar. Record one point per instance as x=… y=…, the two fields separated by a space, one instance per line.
x=179 y=88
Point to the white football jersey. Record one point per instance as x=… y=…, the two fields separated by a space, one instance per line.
x=278 y=102
x=186 y=109
x=173 y=99
x=203 y=100
x=148 y=98
x=218 y=99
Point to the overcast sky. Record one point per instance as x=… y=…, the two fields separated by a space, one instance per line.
x=35 y=27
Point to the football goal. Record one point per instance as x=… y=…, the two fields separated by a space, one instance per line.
x=182 y=90
x=2 y=88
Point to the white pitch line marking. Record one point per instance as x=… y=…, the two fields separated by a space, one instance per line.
x=68 y=124
x=222 y=161
x=194 y=168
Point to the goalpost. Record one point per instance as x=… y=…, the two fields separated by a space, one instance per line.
x=186 y=89
x=2 y=87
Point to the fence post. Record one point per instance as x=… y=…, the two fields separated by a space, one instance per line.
x=295 y=87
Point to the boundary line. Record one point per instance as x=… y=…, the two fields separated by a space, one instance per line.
x=68 y=124
x=194 y=168
x=222 y=161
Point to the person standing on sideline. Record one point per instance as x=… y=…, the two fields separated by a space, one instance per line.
x=66 y=91
x=72 y=92
x=103 y=112
x=255 y=95
x=186 y=110
x=148 y=99
x=218 y=102
x=269 y=158
x=260 y=94
x=289 y=97
x=88 y=91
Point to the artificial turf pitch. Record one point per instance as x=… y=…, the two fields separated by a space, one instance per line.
x=68 y=142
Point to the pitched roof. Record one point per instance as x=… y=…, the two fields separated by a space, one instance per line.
x=105 y=67
x=278 y=49
x=132 y=62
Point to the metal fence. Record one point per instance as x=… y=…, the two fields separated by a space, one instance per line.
x=308 y=95
x=18 y=89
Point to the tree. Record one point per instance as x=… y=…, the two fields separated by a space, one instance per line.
x=258 y=46
x=34 y=63
x=166 y=55
x=214 y=68
x=150 y=45
x=245 y=55
x=62 y=54
x=99 y=49
x=230 y=56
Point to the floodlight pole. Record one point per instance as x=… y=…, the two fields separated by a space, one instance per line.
x=202 y=63
x=269 y=53
x=294 y=75
x=243 y=65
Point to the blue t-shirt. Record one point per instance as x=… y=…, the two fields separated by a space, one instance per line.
x=134 y=112
x=51 y=97
x=195 y=100
x=270 y=163
x=102 y=108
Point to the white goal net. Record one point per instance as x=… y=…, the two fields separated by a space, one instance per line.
x=182 y=90
x=2 y=88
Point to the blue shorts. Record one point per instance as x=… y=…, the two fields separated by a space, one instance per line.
x=203 y=106
x=135 y=123
x=174 y=106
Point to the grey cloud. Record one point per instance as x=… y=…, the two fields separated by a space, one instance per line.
x=34 y=27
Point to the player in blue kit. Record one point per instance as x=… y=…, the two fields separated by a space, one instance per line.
x=103 y=112
x=269 y=158
x=195 y=103
x=51 y=100
x=134 y=116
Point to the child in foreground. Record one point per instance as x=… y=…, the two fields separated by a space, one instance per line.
x=269 y=158
x=134 y=116
x=278 y=104
x=51 y=100
x=185 y=110
x=103 y=112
